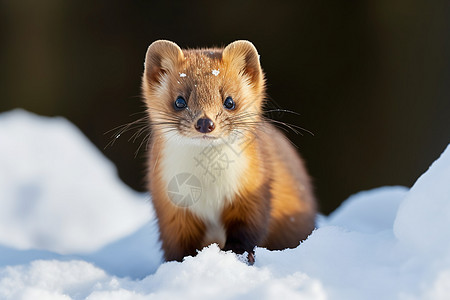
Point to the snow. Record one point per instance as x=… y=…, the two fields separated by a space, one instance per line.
x=70 y=229
x=57 y=191
x=429 y=196
x=369 y=211
x=215 y=72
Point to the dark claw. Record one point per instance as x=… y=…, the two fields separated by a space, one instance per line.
x=251 y=258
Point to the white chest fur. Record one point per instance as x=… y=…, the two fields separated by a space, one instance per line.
x=218 y=166
x=215 y=168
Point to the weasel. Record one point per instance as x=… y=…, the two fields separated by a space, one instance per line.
x=218 y=171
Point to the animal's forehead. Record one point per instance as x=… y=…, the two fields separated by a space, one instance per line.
x=203 y=64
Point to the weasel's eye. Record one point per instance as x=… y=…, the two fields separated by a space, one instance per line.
x=180 y=103
x=229 y=103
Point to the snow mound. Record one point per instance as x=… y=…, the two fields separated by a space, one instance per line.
x=212 y=274
x=51 y=280
x=369 y=211
x=69 y=229
x=425 y=212
x=57 y=191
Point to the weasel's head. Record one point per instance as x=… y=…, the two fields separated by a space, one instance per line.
x=203 y=94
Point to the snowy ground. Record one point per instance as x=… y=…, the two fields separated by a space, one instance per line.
x=70 y=229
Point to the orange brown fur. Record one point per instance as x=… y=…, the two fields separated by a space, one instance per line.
x=270 y=201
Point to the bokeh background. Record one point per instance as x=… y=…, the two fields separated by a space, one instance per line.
x=370 y=79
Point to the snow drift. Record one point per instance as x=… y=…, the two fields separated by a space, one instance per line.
x=69 y=229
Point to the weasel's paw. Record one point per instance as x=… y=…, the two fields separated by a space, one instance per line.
x=248 y=258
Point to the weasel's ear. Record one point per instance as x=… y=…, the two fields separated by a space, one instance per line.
x=162 y=57
x=244 y=56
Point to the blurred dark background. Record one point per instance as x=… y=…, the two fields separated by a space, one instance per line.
x=370 y=79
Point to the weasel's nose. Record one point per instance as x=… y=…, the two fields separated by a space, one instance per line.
x=204 y=125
